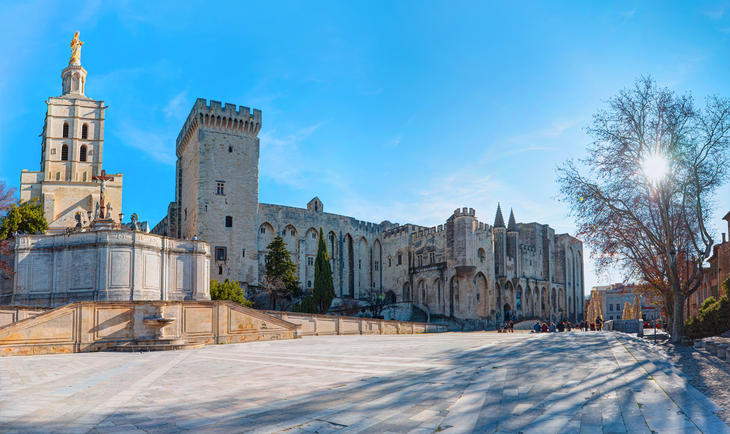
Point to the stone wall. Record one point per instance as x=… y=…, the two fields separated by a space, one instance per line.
x=318 y=325
x=94 y=326
x=52 y=270
x=11 y=314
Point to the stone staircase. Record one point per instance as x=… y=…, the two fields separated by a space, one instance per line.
x=418 y=315
x=144 y=345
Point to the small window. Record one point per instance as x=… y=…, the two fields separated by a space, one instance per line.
x=376 y=265
x=390 y=262
x=82 y=153
x=262 y=230
x=220 y=253
x=229 y=221
x=65 y=130
x=400 y=258
x=610 y=307
x=309 y=283
x=314 y=235
x=220 y=188
x=220 y=270
x=420 y=260
x=359 y=264
x=85 y=131
x=243 y=255
x=431 y=258
x=310 y=261
x=64 y=153
x=478 y=296
x=292 y=233
x=186 y=214
x=230 y=149
x=283 y=232
x=266 y=259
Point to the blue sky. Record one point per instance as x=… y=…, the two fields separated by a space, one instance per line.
x=400 y=111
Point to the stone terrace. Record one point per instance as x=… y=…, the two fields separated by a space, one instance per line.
x=481 y=382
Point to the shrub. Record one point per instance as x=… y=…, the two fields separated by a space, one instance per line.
x=228 y=291
x=713 y=320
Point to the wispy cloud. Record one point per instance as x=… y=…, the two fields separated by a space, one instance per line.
x=158 y=145
x=534 y=141
x=394 y=141
x=714 y=13
x=281 y=157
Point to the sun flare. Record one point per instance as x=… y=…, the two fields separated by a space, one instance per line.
x=655 y=167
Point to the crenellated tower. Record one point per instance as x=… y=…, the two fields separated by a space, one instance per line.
x=216 y=192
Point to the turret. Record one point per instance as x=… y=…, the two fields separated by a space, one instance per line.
x=500 y=243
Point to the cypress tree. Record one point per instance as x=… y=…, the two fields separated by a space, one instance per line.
x=324 y=287
x=280 y=266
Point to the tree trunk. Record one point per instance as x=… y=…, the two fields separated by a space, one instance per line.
x=677 y=329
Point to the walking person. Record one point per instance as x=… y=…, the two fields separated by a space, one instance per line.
x=511 y=326
x=581 y=326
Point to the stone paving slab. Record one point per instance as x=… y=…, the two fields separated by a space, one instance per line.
x=480 y=382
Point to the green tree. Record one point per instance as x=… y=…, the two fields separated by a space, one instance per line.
x=27 y=217
x=228 y=291
x=324 y=287
x=307 y=305
x=281 y=281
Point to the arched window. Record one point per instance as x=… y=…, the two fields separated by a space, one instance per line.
x=64 y=152
x=400 y=258
x=85 y=131
x=65 y=130
x=82 y=153
x=309 y=283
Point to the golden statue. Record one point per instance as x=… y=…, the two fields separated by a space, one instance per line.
x=75 y=49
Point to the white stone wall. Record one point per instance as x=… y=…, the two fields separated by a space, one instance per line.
x=52 y=270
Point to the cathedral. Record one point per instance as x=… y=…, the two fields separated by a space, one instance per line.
x=217 y=228
x=464 y=268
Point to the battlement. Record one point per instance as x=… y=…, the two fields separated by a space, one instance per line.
x=226 y=117
x=401 y=230
x=464 y=212
x=429 y=232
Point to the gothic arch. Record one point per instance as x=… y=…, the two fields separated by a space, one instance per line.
x=362 y=266
x=480 y=286
x=420 y=295
x=438 y=290
x=348 y=258
x=64 y=152
x=377 y=264
x=65 y=131
x=454 y=295
x=407 y=291
x=82 y=153
x=527 y=302
x=291 y=239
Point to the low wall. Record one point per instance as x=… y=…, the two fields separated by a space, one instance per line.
x=626 y=326
x=319 y=325
x=11 y=314
x=93 y=326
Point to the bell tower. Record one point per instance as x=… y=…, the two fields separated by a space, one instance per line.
x=72 y=146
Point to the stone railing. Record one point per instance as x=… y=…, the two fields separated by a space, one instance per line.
x=11 y=314
x=319 y=325
x=93 y=326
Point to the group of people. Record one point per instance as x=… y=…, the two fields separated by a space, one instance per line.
x=565 y=326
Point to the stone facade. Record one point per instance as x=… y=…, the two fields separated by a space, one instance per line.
x=463 y=268
x=72 y=147
x=105 y=265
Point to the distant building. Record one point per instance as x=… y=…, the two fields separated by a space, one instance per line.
x=615 y=296
x=714 y=275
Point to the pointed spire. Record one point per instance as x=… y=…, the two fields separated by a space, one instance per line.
x=512 y=225
x=498 y=219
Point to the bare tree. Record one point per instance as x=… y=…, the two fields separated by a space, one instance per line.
x=653 y=169
x=376 y=302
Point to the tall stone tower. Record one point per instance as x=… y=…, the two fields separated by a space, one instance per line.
x=72 y=146
x=217 y=190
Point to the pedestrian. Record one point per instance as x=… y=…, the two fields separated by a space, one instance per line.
x=561 y=326
x=195 y=237
x=581 y=326
x=537 y=327
x=544 y=328
x=599 y=324
x=552 y=327
x=511 y=326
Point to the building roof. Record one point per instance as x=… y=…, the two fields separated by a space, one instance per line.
x=498 y=219
x=512 y=225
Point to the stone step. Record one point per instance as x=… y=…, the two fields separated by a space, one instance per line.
x=159 y=347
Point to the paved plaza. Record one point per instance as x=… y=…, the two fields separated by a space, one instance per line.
x=481 y=382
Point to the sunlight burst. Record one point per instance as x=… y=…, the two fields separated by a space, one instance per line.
x=655 y=167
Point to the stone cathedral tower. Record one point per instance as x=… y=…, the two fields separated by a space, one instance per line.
x=217 y=187
x=72 y=146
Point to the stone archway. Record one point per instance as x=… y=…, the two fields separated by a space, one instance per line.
x=507 y=312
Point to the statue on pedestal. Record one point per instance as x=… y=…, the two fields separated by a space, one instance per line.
x=75 y=50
